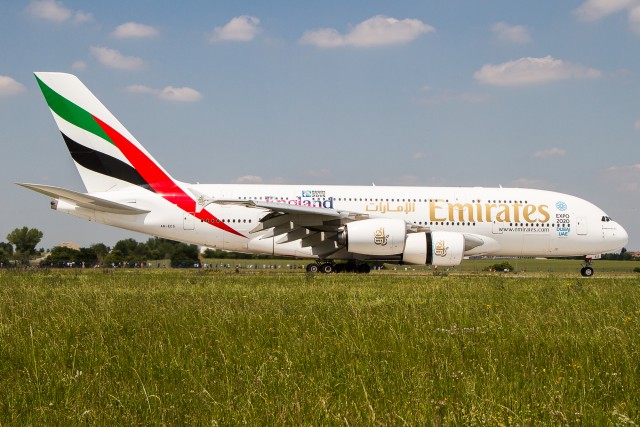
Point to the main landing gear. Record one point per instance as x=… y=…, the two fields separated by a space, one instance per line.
x=345 y=267
x=587 y=270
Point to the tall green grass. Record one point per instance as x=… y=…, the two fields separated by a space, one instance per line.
x=207 y=348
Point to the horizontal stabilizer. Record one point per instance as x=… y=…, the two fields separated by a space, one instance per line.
x=84 y=200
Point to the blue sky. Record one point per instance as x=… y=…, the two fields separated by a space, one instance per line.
x=457 y=93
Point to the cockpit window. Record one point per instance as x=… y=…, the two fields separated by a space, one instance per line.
x=606 y=219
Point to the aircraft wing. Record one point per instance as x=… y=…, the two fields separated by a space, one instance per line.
x=84 y=200
x=314 y=227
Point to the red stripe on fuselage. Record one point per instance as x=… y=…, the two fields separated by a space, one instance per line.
x=159 y=180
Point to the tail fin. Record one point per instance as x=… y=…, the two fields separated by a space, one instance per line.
x=107 y=156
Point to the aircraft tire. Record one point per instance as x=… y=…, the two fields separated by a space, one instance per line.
x=312 y=268
x=586 y=271
x=326 y=268
x=364 y=268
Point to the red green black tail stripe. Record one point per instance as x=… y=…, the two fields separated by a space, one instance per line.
x=104 y=164
x=147 y=173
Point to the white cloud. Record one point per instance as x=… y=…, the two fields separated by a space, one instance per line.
x=141 y=89
x=134 y=30
x=240 y=29
x=169 y=93
x=9 y=86
x=79 y=65
x=82 y=17
x=114 y=59
x=55 y=11
x=180 y=94
x=551 y=152
x=248 y=179
x=634 y=19
x=593 y=10
x=526 y=71
x=420 y=155
x=512 y=34
x=377 y=31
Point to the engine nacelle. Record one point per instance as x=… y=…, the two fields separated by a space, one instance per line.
x=440 y=248
x=379 y=236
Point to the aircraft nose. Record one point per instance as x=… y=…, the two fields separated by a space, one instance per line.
x=621 y=235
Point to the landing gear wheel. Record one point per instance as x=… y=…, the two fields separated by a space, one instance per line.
x=312 y=268
x=586 y=271
x=364 y=268
x=340 y=268
x=350 y=267
x=326 y=268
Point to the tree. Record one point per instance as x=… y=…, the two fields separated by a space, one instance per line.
x=625 y=255
x=101 y=250
x=159 y=248
x=114 y=257
x=61 y=256
x=185 y=256
x=132 y=251
x=25 y=241
x=6 y=253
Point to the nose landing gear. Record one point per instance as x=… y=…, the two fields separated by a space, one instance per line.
x=586 y=270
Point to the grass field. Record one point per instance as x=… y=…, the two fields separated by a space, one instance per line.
x=204 y=347
x=551 y=266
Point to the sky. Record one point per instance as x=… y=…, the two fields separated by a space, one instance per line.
x=428 y=93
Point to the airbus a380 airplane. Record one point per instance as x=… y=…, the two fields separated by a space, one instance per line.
x=127 y=188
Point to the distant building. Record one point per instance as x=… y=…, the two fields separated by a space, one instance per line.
x=69 y=245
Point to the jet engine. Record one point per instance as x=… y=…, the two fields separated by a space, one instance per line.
x=380 y=236
x=386 y=236
x=440 y=248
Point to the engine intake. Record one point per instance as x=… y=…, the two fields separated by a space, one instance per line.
x=440 y=248
x=383 y=236
x=388 y=236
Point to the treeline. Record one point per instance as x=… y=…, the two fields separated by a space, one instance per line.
x=131 y=253
x=20 y=250
x=125 y=253
x=624 y=255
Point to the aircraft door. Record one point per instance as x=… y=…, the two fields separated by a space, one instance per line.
x=581 y=226
x=188 y=221
x=497 y=227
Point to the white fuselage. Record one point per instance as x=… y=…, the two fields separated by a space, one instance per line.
x=517 y=222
